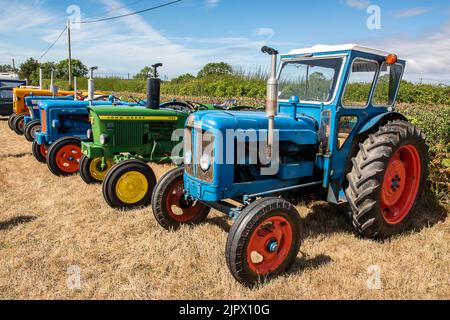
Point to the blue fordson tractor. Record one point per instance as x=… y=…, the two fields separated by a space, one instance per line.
x=32 y=122
x=330 y=127
x=63 y=125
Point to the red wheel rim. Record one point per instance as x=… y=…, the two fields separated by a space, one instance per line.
x=68 y=158
x=400 y=184
x=43 y=149
x=269 y=245
x=178 y=208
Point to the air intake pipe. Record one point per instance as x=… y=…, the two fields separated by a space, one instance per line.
x=41 y=79
x=52 y=83
x=91 y=85
x=154 y=88
x=75 y=89
x=272 y=97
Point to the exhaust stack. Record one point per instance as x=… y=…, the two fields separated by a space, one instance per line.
x=52 y=83
x=75 y=89
x=41 y=79
x=272 y=96
x=91 y=85
x=154 y=88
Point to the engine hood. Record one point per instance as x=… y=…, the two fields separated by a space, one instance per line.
x=301 y=130
x=133 y=110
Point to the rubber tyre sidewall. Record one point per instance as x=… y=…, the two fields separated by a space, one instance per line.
x=11 y=121
x=159 y=198
x=28 y=127
x=16 y=122
x=114 y=174
x=52 y=152
x=85 y=173
x=240 y=233
x=35 y=149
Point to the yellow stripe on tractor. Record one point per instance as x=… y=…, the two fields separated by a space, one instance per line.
x=139 y=118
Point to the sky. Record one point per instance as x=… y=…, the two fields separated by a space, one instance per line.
x=188 y=34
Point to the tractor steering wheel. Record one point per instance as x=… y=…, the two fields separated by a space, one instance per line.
x=197 y=105
x=177 y=105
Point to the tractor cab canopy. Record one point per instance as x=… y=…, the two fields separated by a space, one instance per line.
x=344 y=75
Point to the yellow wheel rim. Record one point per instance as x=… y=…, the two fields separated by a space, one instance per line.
x=95 y=169
x=131 y=187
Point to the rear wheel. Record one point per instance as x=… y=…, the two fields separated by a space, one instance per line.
x=31 y=128
x=18 y=124
x=39 y=151
x=129 y=185
x=64 y=155
x=264 y=241
x=387 y=180
x=92 y=171
x=11 y=121
x=169 y=205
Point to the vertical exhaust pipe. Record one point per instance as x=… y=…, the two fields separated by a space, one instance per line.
x=52 y=83
x=41 y=79
x=154 y=88
x=272 y=97
x=75 y=89
x=91 y=85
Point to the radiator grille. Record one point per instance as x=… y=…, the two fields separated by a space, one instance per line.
x=129 y=133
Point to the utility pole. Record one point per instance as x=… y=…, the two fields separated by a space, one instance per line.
x=70 y=53
x=14 y=65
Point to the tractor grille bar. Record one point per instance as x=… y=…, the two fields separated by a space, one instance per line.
x=128 y=133
x=188 y=148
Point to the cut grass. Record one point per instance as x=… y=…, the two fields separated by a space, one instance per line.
x=48 y=224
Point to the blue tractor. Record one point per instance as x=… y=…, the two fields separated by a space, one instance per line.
x=330 y=128
x=63 y=125
x=32 y=123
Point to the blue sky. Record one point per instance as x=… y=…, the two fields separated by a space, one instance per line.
x=189 y=34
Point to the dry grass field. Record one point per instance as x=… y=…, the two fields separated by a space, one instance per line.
x=48 y=224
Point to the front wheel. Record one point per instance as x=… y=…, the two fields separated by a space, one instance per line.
x=39 y=151
x=264 y=241
x=129 y=185
x=63 y=157
x=170 y=207
x=387 y=180
x=11 y=121
x=18 y=124
x=31 y=128
x=92 y=171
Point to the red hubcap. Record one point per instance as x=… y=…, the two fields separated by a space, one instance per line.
x=68 y=158
x=178 y=208
x=269 y=245
x=400 y=184
x=43 y=150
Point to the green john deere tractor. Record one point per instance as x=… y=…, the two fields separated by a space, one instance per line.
x=124 y=139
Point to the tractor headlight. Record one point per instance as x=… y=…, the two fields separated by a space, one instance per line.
x=205 y=162
x=90 y=135
x=104 y=139
x=188 y=158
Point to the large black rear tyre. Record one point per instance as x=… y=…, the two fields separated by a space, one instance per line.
x=387 y=180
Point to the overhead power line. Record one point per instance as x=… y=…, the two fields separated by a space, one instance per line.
x=53 y=44
x=129 y=14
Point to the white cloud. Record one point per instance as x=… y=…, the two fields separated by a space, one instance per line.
x=426 y=55
x=358 y=4
x=212 y=3
x=264 y=32
x=411 y=12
